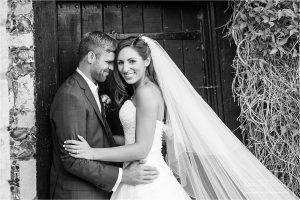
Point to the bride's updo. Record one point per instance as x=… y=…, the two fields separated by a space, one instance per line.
x=124 y=91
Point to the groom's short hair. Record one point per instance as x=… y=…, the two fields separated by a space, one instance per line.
x=93 y=40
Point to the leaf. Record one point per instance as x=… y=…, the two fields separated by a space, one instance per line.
x=243 y=16
x=257 y=18
x=279 y=14
x=294 y=53
x=282 y=42
x=277 y=1
x=295 y=132
x=286 y=66
x=271 y=24
x=266 y=19
x=243 y=25
x=283 y=129
x=256 y=3
x=265 y=52
x=281 y=54
x=273 y=38
x=286 y=32
x=258 y=9
x=261 y=64
x=293 y=31
x=295 y=7
x=288 y=12
x=236 y=26
x=269 y=5
x=290 y=27
x=253 y=37
x=250 y=27
x=273 y=51
x=273 y=44
x=275 y=117
x=281 y=49
x=267 y=31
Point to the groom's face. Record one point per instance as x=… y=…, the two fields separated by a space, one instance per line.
x=101 y=65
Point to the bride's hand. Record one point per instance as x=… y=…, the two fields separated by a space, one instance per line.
x=79 y=149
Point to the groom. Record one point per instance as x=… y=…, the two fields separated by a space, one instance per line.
x=77 y=110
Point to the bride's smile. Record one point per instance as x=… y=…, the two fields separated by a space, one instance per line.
x=132 y=66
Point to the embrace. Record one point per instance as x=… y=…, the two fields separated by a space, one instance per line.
x=204 y=159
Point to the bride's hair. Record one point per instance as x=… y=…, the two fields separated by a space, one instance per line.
x=124 y=91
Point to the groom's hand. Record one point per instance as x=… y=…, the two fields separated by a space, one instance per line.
x=137 y=173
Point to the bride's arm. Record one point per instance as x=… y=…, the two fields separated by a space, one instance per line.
x=146 y=115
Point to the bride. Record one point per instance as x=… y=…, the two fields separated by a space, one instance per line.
x=202 y=153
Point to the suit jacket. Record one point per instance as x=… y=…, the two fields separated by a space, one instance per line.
x=74 y=111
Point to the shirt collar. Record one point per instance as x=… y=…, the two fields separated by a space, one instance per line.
x=93 y=87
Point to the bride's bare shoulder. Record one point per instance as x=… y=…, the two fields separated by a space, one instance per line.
x=149 y=92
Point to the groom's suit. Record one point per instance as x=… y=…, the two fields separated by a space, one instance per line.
x=74 y=111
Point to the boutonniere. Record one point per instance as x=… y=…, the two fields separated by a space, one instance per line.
x=105 y=99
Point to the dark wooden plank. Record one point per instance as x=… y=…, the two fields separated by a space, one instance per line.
x=46 y=73
x=205 y=26
x=192 y=49
x=112 y=23
x=152 y=18
x=174 y=49
x=91 y=17
x=172 y=23
x=214 y=68
x=92 y=20
x=69 y=36
x=152 y=15
x=191 y=15
x=194 y=67
x=112 y=17
x=171 y=17
x=226 y=54
x=132 y=17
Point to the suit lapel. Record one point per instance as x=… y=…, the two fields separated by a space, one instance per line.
x=88 y=93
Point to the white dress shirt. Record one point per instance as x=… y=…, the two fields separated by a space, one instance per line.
x=94 y=88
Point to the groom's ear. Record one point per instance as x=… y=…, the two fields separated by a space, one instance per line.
x=90 y=57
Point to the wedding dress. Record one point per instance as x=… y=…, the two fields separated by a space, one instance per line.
x=165 y=186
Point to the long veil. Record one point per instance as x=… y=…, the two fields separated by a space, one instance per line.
x=202 y=152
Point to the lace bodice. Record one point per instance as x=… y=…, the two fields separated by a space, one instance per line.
x=127 y=116
x=165 y=186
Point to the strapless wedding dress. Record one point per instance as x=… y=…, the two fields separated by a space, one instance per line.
x=165 y=186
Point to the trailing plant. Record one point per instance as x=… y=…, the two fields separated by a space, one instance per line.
x=267 y=83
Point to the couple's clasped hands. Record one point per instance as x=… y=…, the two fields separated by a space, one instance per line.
x=134 y=174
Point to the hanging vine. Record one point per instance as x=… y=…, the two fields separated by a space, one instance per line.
x=267 y=83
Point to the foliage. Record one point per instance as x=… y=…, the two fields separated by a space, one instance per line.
x=267 y=83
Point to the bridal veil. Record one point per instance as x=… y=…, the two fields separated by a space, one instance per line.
x=208 y=159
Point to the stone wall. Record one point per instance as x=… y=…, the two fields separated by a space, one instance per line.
x=21 y=80
x=4 y=110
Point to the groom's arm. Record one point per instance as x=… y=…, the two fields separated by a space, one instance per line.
x=69 y=116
